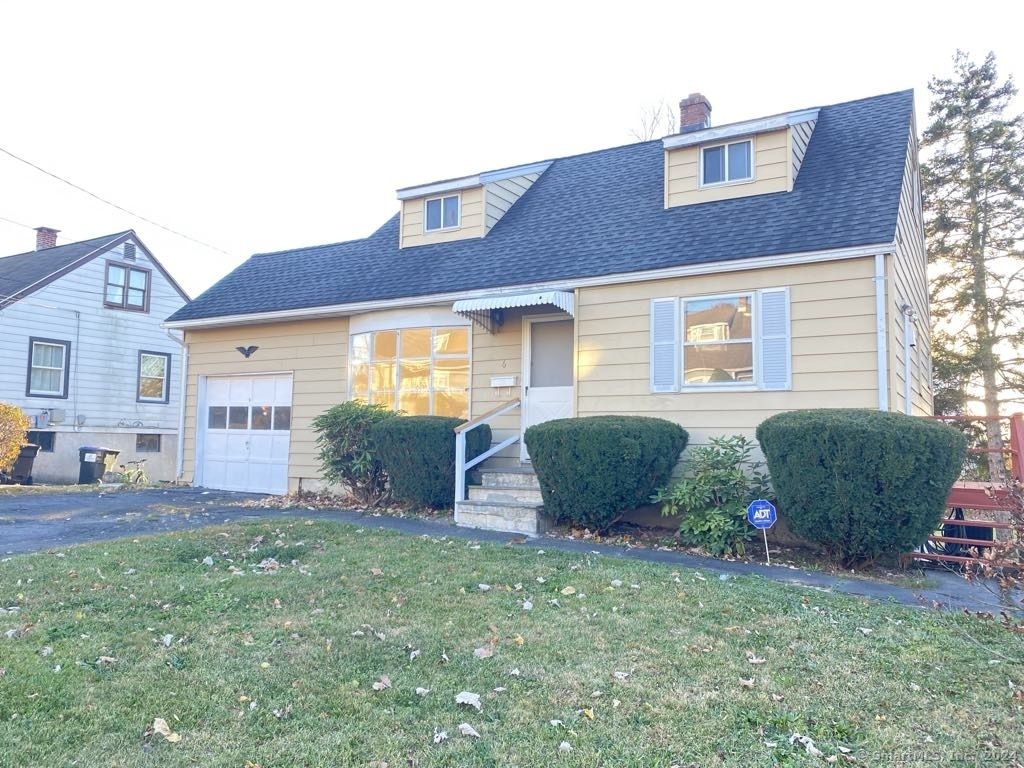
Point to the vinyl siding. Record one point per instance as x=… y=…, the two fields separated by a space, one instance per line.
x=833 y=348
x=907 y=276
x=800 y=137
x=498 y=354
x=471 y=211
x=772 y=169
x=103 y=364
x=501 y=195
x=314 y=351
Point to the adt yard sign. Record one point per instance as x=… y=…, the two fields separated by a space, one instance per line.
x=761 y=514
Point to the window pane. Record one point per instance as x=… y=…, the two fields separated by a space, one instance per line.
x=217 y=417
x=48 y=355
x=262 y=416
x=382 y=376
x=360 y=379
x=414 y=403
x=451 y=374
x=387 y=399
x=433 y=214
x=137 y=279
x=739 y=160
x=115 y=275
x=238 y=417
x=714 y=165
x=451 y=211
x=361 y=346
x=415 y=343
x=151 y=389
x=45 y=380
x=451 y=341
x=282 y=417
x=136 y=298
x=384 y=345
x=414 y=375
x=147 y=443
x=451 y=404
x=712 y=363
x=115 y=294
x=154 y=365
x=718 y=319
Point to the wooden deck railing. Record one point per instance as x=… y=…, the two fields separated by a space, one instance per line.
x=461 y=465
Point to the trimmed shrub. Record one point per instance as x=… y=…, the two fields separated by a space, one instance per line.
x=13 y=433
x=861 y=483
x=593 y=469
x=418 y=453
x=721 y=479
x=347 y=455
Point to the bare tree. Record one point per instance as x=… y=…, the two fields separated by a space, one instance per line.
x=655 y=122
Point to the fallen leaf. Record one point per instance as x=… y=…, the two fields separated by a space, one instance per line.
x=568 y=591
x=519 y=640
x=174 y=738
x=556 y=723
x=469 y=699
x=167 y=640
x=753 y=658
x=747 y=683
x=160 y=726
x=500 y=689
x=620 y=675
x=777 y=697
x=616 y=582
x=527 y=605
x=865 y=631
x=565 y=747
x=515 y=672
x=373 y=763
x=588 y=713
x=383 y=683
x=484 y=587
x=440 y=736
x=207 y=560
x=807 y=743
x=45 y=650
x=422 y=691
x=106 y=660
x=376 y=572
x=414 y=654
x=468 y=730
x=484 y=652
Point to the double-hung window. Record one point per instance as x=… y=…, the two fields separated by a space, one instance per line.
x=727 y=162
x=48 y=368
x=126 y=287
x=154 y=377
x=441 y=213
x=732 y=341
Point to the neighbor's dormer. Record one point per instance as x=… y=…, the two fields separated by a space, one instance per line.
x=756 y=157
x=464 y=208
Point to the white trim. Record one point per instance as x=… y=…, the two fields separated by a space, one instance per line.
x=518 y=170
x=452 y=185
x=739 y=129
x=755 y=330
x=727 y=181
x=881 y=342
x=396 y=319
x=179 y=469
x=524 y=378
x=688 y=270
x=441 y=199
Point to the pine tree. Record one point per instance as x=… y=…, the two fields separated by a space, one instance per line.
x=973 y=184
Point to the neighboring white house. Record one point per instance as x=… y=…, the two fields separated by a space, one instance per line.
x=83 y=353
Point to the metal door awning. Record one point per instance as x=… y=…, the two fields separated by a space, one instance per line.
x=487 y=310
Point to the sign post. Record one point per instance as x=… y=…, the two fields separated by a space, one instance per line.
x=761 y=514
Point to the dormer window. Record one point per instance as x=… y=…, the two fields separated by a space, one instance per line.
x=442 y=213
x=726 y=163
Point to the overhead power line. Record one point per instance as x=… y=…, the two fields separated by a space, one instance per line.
x=112 y=205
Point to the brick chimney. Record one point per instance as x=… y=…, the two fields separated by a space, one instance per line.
x=46 y=237
x=694 y=113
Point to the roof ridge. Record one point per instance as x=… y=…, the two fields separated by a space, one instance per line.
x=104 y=238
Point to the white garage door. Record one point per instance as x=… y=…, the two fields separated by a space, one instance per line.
x=248 y=423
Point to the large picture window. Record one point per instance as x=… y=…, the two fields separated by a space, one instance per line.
x=47 y=368
x=421 y=371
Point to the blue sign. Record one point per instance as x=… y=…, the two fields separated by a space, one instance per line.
x=761 y=514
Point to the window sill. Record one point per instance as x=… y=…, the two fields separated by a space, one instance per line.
x=719 y=184
x=690 y=389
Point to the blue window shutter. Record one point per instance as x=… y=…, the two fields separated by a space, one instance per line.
x=665 y=345
x=773 y=335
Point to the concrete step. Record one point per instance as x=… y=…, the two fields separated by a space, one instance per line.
x=500 y=516
x=509 y=478
x=504 y=493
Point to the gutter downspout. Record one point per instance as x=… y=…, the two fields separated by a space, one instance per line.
x=179 y=469
x=881 y=340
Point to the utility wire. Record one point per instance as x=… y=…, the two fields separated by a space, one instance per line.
x=15 y=223
x=112 y=204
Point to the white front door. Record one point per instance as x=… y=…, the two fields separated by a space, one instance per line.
x=547 y=372
x=247 y=423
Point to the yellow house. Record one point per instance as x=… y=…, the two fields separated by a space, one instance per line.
x=714 y=277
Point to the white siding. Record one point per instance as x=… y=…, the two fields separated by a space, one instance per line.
x=801 y=137
x=499 y=196
x=105 y=345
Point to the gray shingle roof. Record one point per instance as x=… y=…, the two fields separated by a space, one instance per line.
x=603 y=213
x=24 y=270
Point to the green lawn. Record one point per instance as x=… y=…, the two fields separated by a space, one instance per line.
x=628 y=664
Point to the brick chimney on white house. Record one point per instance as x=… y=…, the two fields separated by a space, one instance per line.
x=46 y=237
x=694 y=113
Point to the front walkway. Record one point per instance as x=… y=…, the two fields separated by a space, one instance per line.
x=39 y=521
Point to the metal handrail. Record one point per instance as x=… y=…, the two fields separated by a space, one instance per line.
x=461 y=465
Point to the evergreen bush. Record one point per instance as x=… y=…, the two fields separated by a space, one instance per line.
x=347 y=455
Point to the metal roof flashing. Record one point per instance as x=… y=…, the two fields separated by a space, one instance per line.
x=745 y=128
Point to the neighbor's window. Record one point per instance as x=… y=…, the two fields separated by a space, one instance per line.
x=48 y=368
x=727 y=162
x=718 y=342
x=441 y=213
x=154 y=377
x=147 y=443
x=126 y=287
x=45 y=440
x=422 y=371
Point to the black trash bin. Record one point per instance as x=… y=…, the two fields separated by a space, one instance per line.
x=93 y=462
x=21 y=472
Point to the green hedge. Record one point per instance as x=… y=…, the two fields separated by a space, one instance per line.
x=862 y=483
x=418 y=453
x=347 y=455
x=593 y=469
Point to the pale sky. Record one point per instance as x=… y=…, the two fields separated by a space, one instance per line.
x=257 y=126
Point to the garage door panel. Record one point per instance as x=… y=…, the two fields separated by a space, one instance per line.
x=249 y=456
